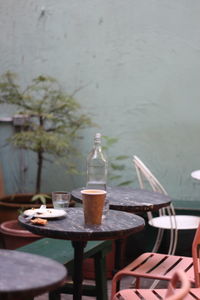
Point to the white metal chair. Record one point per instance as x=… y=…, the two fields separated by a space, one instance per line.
x=167 y=218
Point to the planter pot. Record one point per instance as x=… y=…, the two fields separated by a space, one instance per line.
x=10 y=205
x=13 y=235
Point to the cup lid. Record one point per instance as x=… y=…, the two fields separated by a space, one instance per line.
x=93 y=192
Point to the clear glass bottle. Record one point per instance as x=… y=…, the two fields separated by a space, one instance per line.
x=97 y=166
x=97 y=169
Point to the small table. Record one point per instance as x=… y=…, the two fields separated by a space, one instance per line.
x=196 y=174
x=131 y=200
x=117 y=226
x=137 y=201
x=24 y=275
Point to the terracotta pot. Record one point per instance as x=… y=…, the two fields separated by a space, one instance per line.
x=10 y=205
x=13 y=235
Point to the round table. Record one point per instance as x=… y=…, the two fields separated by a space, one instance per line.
x=24 y=275
x=117 y=225
x=196 y=174
x=131 y=200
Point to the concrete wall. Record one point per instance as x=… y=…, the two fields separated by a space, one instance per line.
x=138 y=63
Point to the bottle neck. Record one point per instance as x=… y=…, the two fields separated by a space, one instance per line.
x=97 y=144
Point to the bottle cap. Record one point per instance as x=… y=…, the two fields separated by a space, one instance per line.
x=98 y=135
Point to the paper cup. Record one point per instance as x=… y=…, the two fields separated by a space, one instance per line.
x=93 y=203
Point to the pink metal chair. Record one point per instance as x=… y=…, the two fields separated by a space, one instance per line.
x=154 y=294
x=196 y=257
x=162 y=266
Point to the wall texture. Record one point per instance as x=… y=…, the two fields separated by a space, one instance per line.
x=138 y=63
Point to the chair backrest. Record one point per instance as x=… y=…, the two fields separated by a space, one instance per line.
x=144 y=173
x=180 y=293
x=196 y=256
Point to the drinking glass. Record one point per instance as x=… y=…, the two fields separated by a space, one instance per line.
x=61 y=199
x=106 y=208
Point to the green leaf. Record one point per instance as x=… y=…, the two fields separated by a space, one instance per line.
x=40 y=197
x=117 y=167
x=121 y=157
x=125 y=183
x=115 y=177
x=109 y=141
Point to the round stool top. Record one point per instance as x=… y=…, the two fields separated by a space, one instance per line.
x=182 y=222
x=196 y=174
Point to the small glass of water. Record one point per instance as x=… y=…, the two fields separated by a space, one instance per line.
x=105 y=208
x=61 y=200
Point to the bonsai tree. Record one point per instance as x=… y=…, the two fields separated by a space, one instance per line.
x=50 y=119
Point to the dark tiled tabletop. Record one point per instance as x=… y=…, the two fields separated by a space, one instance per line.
x=24 y=275
x=130 y=199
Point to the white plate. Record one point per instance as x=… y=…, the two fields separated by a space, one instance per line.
x=47 y=214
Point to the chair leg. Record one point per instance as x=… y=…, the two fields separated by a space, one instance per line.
x=158 y=240
x=100 y=276
x=137 y=283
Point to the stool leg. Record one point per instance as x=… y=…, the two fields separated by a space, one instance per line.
x=100 y=276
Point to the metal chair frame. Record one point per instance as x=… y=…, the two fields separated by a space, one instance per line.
x=161 y=266
x=144 y=173
x=172 y=293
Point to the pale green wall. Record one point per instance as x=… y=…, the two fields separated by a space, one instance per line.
x=138 y=62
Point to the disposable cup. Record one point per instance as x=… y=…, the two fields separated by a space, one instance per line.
x=93 y=203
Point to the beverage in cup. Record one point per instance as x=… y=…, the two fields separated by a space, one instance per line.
x=93 y=203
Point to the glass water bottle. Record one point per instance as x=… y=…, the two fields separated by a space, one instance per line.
x=96 y=166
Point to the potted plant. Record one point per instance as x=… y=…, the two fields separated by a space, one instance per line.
x=49 y=121
x=13 y=235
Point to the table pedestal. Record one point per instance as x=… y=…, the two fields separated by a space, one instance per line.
x=78 y=268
